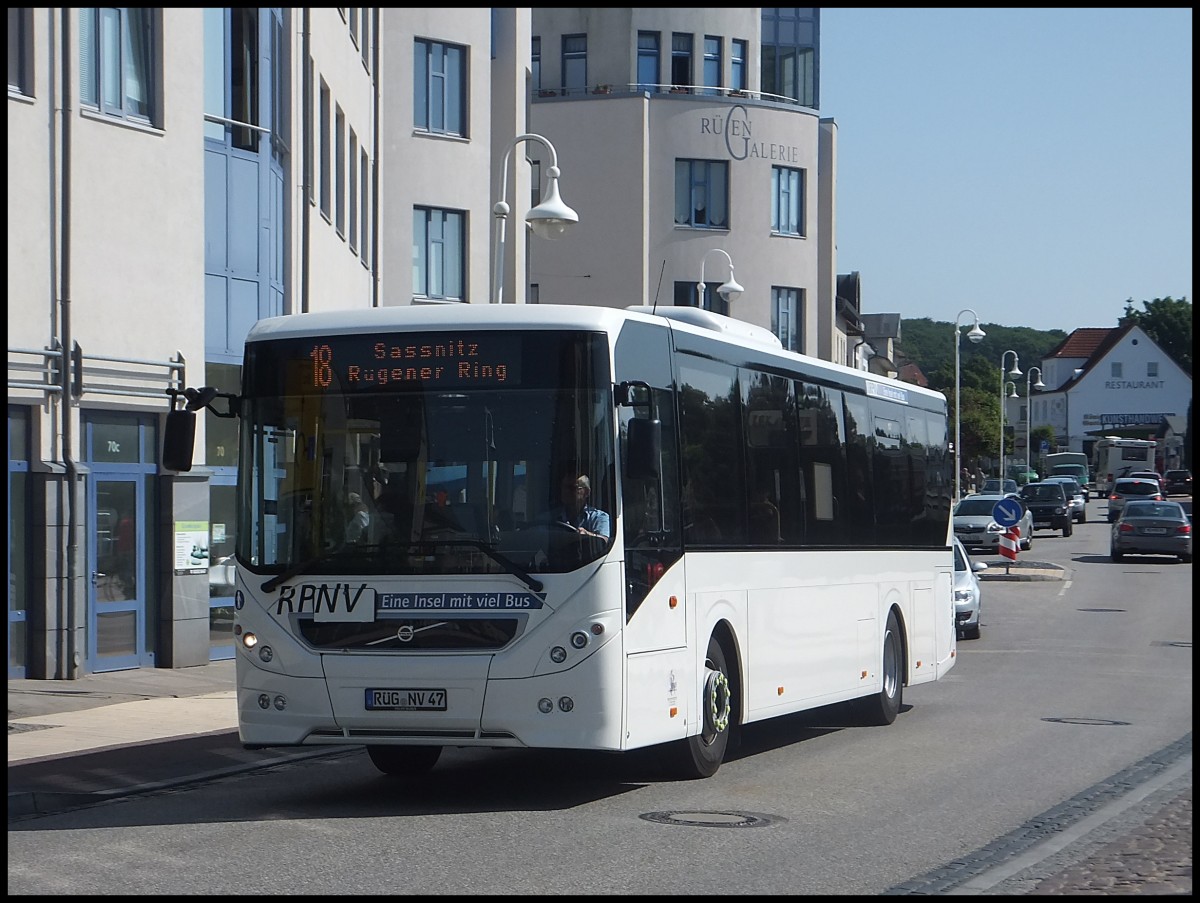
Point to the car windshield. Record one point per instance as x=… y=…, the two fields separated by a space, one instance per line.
x=972 y=506
x=1042 y=493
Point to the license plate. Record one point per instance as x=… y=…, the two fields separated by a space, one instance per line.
x=406 y=700
x=1041 y=523
x=1157 y=531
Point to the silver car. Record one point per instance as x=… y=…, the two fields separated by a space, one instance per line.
x=1126 y=488
x=967 y=595
x=1076 y=496
x=977 y=529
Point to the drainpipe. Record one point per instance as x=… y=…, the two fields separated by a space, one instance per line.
x=68 y=669
x=307 y=142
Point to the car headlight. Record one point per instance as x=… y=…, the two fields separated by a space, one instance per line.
x=962 y=595
x=994 y=527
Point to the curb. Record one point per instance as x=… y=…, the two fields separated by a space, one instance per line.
x=1024 y=571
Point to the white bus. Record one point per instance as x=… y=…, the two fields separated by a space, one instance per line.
x=1114 y=457
x=779 y=532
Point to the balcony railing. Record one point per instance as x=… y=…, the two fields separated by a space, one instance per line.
x=639 y=88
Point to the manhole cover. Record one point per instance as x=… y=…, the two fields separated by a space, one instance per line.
x=713 y=819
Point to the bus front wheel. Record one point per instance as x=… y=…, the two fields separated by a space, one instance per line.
x=883 y=707
x=404 y=761
x=700 y=756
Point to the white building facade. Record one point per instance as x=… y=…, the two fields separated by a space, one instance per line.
x=177 y=174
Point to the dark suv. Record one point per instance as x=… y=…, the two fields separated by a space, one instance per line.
x=1049 y=505
x=1178 y=482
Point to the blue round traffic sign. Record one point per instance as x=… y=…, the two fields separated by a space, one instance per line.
x=1008 y=512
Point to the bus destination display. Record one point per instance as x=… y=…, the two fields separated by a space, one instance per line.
x=360 y=363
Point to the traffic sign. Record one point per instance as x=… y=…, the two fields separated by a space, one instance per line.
x=1008 y=512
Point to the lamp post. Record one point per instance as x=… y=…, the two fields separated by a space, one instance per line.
x=976 y=336
x=730 y=291
x=1029 y=407
x=1014 y=372
x=549 y=219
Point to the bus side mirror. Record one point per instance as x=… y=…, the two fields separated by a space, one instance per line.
x=179 y=439
x=643 y=449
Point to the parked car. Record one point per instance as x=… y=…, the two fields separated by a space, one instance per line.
x=1048 y=504
x=1150 y=527
x=996 y=486
x=1130 y=487
x=966 y=593
x=1177 y=482
x=977 y=529
x=1076 y=495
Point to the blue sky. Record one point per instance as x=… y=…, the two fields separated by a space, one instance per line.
x=1034 y=165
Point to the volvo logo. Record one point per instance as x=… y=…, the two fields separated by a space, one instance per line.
x=405 y=632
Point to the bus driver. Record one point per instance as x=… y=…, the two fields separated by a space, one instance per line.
x=575 y=510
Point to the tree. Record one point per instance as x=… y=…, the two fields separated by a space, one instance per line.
x=1169 y=323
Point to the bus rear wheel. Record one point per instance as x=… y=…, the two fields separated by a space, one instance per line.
x=883 y=707
x=404 y=761
x=700 y=756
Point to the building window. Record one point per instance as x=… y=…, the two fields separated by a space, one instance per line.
x=438 y=253
x=20 y=50
x=364 y=210
x=439 y=88
x=324 y=174
x=366 y=38
x=681 y=61
x=785 y=316
x=737 y=65
x=339 y=171
x=712 y=63
x=790 y=40
x=787 y=201
x=352 y=190
x=535 y=62
x=1152 y=369
x=1116 y=370
x=649 y=44
x=117 y=59
x=702 y=194
x=574 y=62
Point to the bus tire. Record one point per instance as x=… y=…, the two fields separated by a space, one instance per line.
x=404 y=761
x=883 y=707
x=700 y=756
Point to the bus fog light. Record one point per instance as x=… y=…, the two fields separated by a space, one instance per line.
x=266 y=653
x=579 y=639
x=264 y=701
x=597 y=629
x=249 y=640
x=566 y=703
x=545 y=706
x=558 y=655
x=281 y=703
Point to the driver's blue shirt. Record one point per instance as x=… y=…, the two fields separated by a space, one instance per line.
x=591 y=519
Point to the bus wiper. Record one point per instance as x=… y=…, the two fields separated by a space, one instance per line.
x=503 y=560
x=295 y=571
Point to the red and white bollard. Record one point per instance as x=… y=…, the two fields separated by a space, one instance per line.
x=1009 y=541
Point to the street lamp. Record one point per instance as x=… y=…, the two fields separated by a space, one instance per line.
x=549 y=219
x=730 y=291
x=1029 y=407
x=976 y=336
x=1014 y=372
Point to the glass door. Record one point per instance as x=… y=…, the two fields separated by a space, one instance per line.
x=116 y=544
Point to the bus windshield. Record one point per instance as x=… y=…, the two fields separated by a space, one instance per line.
x=424 y=454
